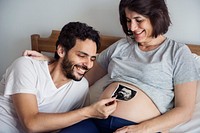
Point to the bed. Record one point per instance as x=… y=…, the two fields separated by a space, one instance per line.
x=47 y=44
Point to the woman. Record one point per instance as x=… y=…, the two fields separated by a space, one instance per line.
x=159 y=69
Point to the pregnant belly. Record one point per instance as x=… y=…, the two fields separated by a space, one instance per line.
x=137 y=109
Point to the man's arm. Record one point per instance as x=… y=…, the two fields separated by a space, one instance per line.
x=35 y=121
x=185 y=96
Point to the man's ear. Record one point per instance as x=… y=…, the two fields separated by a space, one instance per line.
x=61 y=51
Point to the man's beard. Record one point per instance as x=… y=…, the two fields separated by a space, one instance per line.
x=68 y=69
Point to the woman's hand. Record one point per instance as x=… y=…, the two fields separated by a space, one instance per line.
x=131 y=129
x=102 y=109
x=135 y=129
x=36 y=55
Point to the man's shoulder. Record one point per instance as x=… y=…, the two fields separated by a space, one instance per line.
x=25 y=62
x=21 y=61
x=26 y=59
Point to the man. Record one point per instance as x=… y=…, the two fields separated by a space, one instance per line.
x=39 y=97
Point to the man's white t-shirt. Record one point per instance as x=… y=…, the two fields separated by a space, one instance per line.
x=31 y=76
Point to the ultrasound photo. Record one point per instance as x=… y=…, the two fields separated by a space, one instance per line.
x=123 y=93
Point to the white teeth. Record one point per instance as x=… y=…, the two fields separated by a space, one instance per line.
x=138 y=32
x=82 y=70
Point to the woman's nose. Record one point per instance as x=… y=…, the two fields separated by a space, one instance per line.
x=133 y=26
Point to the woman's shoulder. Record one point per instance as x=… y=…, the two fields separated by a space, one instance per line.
x=177 y=49
x=174 y=43
x=122 y=44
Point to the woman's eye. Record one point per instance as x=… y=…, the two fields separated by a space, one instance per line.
x=128 y=21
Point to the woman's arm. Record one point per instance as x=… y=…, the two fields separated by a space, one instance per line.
x=36 y=55
x=35 y=121
x=185 y=96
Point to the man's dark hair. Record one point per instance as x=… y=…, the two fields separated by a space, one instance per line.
x=155 y=10
x=76 y=30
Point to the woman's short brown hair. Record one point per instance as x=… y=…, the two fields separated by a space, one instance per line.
x=155 y=10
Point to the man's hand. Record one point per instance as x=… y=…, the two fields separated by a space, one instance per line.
x=102 y=109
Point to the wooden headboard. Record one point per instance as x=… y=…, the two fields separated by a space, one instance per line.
x=47 y=44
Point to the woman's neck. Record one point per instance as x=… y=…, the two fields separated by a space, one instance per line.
x=152 y=44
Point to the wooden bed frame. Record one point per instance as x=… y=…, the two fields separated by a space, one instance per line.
x=42 y=44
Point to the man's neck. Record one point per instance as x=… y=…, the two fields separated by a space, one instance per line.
x=57 y=75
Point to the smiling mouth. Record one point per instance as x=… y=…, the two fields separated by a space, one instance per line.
x=138 y=33
x=81 y=69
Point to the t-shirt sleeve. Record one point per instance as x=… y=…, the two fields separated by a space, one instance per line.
x=20 y=77
x=103 y=59
x=185 y=69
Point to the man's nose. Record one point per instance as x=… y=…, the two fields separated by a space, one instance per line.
x=89 y=63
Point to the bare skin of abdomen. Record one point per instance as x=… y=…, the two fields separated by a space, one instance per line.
x=137 y=109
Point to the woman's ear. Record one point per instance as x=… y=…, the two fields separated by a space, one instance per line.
x=60 y=51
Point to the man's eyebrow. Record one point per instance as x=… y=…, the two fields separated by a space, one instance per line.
x=83 y=53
